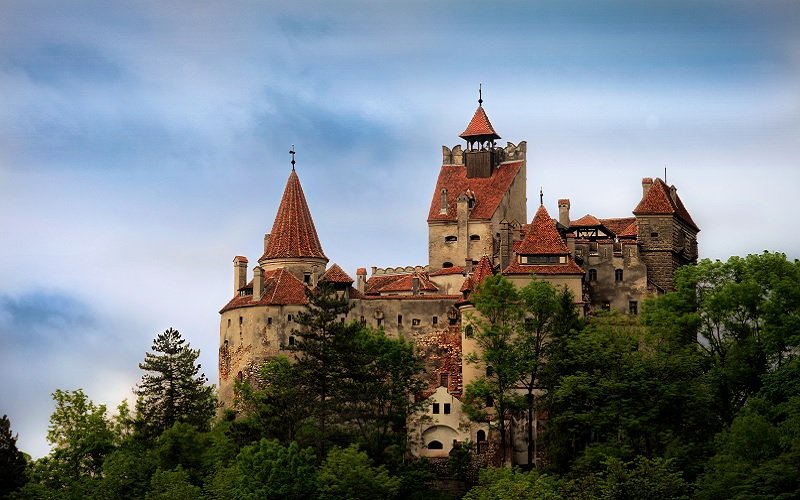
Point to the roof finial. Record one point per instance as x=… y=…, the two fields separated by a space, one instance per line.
x=292 y=152
x=665 y=175
x=480 y=94
x=541 y=197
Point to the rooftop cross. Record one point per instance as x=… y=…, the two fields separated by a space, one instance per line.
x=292 y=152
x=541 y=197
x=480 y=94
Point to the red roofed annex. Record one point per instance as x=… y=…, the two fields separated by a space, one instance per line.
x=478 y=226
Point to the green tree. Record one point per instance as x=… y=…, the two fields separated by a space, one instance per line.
x=12 y=461
x=268 y=469
x=497 y=301
x=172 y=389
x=349 y=473
x=507 y=483
x=172 y=485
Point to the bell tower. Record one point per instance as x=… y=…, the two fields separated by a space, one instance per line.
x=481 y=156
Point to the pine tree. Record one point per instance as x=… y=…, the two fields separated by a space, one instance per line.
x=12 y=462
x=173 y=389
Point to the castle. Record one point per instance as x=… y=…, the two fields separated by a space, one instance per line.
x=477 y=226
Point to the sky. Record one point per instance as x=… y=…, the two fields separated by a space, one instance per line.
x=144 y=144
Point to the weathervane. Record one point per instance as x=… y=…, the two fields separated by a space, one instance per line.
x=480 y=94
x=541 y=197
x=292 y=152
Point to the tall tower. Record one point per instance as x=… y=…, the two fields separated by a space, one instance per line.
x=480 y=196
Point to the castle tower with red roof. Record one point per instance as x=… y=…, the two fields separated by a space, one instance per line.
x=479 y=199
x=293 y=243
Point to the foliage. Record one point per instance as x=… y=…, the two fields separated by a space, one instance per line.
x=172 y=485
x=12 y=461
x=172 y=389
x=511 y=484
x=348 y=473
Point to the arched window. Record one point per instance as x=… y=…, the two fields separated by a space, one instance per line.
x=446 y=265
x=592 y=274
x=618 y=275
x=435 y=445
x=481 y=435
x=475 y=237
x=450 y=239
x=443 y=209
x=469 y=331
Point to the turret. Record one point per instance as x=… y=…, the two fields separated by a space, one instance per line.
x=239 y=273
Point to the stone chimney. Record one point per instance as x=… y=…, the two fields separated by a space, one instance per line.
x=647 y=183
x=563 y=212
x=266 y=242
x=239 y=273
x=415 y=285
x=361 y=279
x=673 y=193
x=258 y=283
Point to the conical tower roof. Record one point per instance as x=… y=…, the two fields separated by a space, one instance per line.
x=293 y=233
x=479 y=127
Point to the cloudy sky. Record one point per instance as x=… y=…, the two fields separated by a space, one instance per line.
x=144 y=144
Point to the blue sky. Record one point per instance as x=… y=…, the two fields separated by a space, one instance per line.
x=144 y=144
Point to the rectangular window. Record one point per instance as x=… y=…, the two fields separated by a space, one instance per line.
x=436 y=408
x=618 y=275
x=633 y=307
x=289 y=318
x=435 y=320
x=399 y=319
x=269 y=320
x=307 y=278
x=241 y=320
x=229 y=322
x=447 y=408
x=444 y=378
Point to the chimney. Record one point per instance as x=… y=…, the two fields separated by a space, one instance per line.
x=647 y=183
x=239 y=273
x=563 y=212
x=415 y=285
x=361 y=279
x=266 y=242
x=467 y=266
x=673 y=193
x=258 y=283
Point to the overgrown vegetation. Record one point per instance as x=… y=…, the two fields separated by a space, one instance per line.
x=697 y=398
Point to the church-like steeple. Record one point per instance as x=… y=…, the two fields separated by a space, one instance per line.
x=480 y=157
x=293 y=233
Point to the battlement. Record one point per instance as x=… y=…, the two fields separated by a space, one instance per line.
x=511 y=152
x=383 y=271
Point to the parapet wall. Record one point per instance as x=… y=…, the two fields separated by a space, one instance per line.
x=511 y=152
x=379 y=271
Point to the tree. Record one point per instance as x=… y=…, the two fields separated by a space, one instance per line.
x=12 y=461
x=497 y=301
x=349 y=473
x=172 y=389
x=511 y=484
x=540 y=304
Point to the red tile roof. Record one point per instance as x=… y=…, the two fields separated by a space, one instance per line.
x=542 y=237
x=550 y=269
x=489 y=191
x=280 y=288
x=630 y=231
x=479 y=126
x=481 y=271
x=587 y=220
x=293 y=233
x=618 y=224
x=445 y=271
x=334 y=274
x=658 y=201
x=405 y=283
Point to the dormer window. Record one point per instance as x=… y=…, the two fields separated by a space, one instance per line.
x=443 y=209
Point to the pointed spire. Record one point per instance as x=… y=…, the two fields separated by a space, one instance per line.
x=542 y=237
x=541 y=197
x=293 y=233
x=479 y=128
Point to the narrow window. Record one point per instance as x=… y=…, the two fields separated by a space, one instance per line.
x=307 y=278
x=269 y=320
x=291 y=340
x=443 y=209
x=444 y=378
x=450 y=239
x=592 y=274
x=415 y=322
x=481 y=435
x=399 y=319
x=469 y=331
x=435 y=320
x=447 y=408
x=435 y=408
x=229 y=322
x=633 y=307
x=618 y=275
x=289 y=318
x=241 y=320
